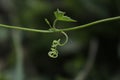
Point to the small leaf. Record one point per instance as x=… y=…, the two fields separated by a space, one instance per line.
x=61 y=16
x=58 y=14
x=66 y=18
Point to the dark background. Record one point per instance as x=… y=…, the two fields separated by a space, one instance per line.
x=92 y=53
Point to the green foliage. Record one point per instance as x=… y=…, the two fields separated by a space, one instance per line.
x=61 y=16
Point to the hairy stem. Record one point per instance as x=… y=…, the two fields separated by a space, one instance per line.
x=59 y=30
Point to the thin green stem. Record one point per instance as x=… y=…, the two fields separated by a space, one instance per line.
x=25 y=29
x=46 y=20
x=92 y=23
x=54 y=23
x=59 y=30
x=66 y=38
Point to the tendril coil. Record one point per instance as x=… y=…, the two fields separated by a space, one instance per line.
x=53 y=53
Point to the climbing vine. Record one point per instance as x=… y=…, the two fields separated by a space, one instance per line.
x=59 y=16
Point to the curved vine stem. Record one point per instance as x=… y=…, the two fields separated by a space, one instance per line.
x=59 y=30
x=92 y=23
x=66 y=39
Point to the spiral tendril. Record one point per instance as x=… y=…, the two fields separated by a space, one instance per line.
x=54 y=52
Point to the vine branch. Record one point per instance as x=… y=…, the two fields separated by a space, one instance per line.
x=59 y=30
x=25 y=29
x=93 y=23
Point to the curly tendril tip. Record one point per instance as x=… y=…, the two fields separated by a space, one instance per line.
x=54 y=52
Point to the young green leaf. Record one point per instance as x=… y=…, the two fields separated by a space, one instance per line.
x=61 y=16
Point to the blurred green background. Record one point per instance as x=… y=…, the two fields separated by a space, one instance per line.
x=92 y=53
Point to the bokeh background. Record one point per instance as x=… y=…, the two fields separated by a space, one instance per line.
x=92 y=53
